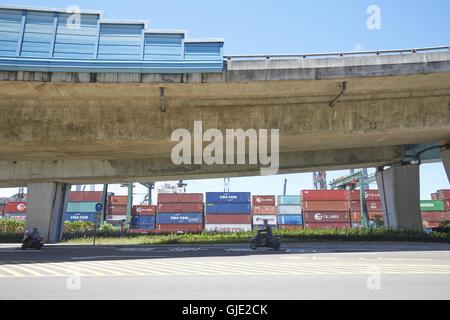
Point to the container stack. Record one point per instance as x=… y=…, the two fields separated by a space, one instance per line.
x=290 y=213
x=326 y=209
x=264 y=208
x=433 y=213
x=16 y=210
x=444 y=195
x=228 y=212
x=373 y=202
x=81 y=206
x=117 y=209
x=143 y=217
x=179 y=212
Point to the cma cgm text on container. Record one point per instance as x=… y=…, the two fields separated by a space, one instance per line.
x=228 y=197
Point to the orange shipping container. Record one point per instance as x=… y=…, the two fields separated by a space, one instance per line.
x=338 y=206
x=264 y=210
x=118 y=200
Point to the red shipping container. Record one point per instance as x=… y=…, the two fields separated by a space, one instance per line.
x=117 y=210
x=434 y=216
x=118 y=200
x=435 y=196
x=370 y=195
x=328 y=225
x=444 y=194
x=326 y=217
x=179 y=227
x=264 y=210
x=143 y=210
x=85 y=196
x=180 y=207
x=324 y=195
x=355 y=205
x=263 y=200
x=374 y=205
x=338 y=206
x=447 y=205
x=16 y=207
x=180 y=197
x=289 y=227
x=356 y=216
x=228 y=219
x=428 y=224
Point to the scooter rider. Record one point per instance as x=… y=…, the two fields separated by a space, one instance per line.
x=266 y=232
x=33 y=236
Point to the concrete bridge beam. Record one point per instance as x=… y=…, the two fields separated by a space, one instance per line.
x=445 y=156
x=46 y=202
x=400 y=196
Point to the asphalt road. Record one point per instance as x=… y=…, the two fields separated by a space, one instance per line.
x=302 y=271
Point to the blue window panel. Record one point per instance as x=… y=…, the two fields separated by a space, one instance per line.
x=37 y=38
x=76 y=43
x=120 y=42
x=60 y=55
x=10 y=25
x=118 y=49
x=163 y=46
x=203 y=51
x=71 y=48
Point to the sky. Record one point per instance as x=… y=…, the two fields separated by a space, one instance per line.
x=286 y=26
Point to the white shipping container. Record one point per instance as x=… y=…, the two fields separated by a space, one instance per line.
x=228 y=227
x=116 y=218
x=259 y=220
x=289 y=209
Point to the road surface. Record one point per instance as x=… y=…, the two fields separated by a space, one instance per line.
x=298 y=271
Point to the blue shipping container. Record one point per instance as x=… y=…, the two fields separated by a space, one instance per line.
x=228 y=197
x=77 y=216
x=289 y=200
x=143 y=222
x=179 y=218
x=290 y=219
x=224 y=208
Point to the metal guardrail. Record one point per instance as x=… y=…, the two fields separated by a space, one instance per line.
x=333 y=54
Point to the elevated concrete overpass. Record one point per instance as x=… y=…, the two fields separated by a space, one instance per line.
x=102 y=121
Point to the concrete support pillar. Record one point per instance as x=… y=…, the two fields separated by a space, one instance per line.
x=400 y=196
x=46 y=203
x=445 y=156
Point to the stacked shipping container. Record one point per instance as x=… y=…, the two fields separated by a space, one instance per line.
x=444 y=195
x=228 y=212
x=290 y=213
x=81 y=206
x=143 y=217
x=326 y=209
x=433 y=213
x=16 y=210
x=264 y=208
x=117 y=208
x=373 y=202
x=180 y=212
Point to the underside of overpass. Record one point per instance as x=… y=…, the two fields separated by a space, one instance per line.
x=107 y=114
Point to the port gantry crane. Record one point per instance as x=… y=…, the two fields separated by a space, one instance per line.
x=351 y=182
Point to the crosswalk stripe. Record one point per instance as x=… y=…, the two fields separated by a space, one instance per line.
x=149 y=267
x=108 y=266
